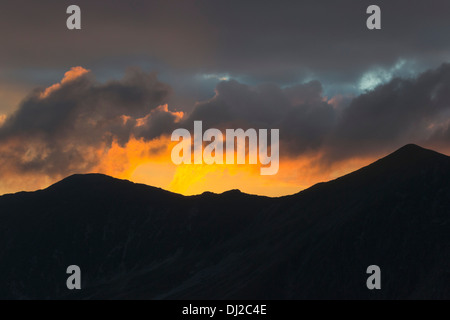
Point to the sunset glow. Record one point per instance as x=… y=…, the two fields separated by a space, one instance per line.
x=146 y=158
x=150 y=163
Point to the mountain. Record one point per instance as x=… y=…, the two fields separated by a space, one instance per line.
x=133 y=241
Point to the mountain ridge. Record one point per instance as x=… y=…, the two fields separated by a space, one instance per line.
x=133 y=241
x=409 y=151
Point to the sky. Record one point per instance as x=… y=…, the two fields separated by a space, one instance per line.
x=107 y=98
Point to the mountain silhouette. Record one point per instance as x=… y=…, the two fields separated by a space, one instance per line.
x=133 y=241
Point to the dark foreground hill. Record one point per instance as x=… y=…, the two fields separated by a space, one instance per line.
x=135 y=241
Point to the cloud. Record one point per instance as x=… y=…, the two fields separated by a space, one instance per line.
x=412 y=110
x=82 y=125
x=64 y=128
x=71 y=75
x=377 y=76
x=403 y=110
x=281 y=42
x=300 y=112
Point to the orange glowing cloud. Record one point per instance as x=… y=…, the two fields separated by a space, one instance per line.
x=163 y=108
x=69 y=76
x=136 y=158
x=294 y=175
x=149 y=162
x=2 y=119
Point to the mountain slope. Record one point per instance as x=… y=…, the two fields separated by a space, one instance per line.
x=135 y=241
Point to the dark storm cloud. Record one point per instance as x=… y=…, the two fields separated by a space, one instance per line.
x=300 y=112
x=53 y=134
x=402 y=111
x=399 y=112
x=270 y=41
x=84 y=103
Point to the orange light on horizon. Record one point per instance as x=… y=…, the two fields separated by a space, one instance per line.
x=149 y=162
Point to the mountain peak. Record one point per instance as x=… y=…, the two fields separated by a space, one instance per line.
x=411 y=153
x=409 y=161
x=96 y=184
x=414 y=148
x=79 y=180
x=94 y=177
x=233 y=191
